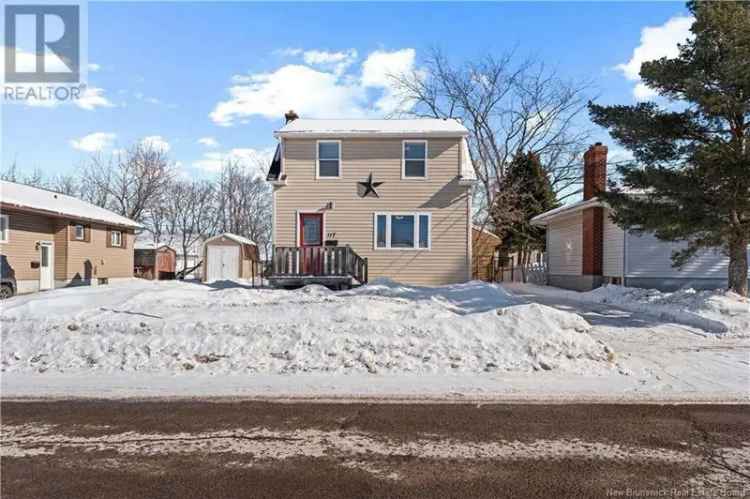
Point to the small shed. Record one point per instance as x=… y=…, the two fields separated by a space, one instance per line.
x=229 y=257
x=152 y=261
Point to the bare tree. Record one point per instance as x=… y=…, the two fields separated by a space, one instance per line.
x=129 y=182
x=190 y=213
x=508 y=108
x=244 y=203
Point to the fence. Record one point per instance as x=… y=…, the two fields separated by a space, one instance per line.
x=536 y=273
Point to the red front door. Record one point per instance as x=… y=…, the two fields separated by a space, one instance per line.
x=311 y=240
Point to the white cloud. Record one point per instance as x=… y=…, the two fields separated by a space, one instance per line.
x=253 y=159
x=91 y=98
x=289 y=52
x=656 y=42
x=94 y=142
x=156 y=142
x=327 y=90
x=93 y=67
x=381 y=68
x=208 y=142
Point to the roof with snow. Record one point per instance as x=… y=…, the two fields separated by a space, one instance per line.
x=568 y=209
x=233 y=237
x=56 y=204
x=339 y=128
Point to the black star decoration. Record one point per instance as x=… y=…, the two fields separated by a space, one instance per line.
x=370 y=186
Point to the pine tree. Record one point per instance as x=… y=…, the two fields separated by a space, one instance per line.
x=692 y=158
x=525 y=192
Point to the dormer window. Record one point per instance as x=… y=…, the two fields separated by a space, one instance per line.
x=414 y=162
x=329 y=159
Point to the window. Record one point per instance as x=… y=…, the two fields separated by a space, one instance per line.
x=415 y=159
x=116 y=238
x=80 y=232
x=4 y=228
x=408 y=231
x=329 y=159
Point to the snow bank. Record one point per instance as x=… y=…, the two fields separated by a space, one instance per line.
x=717 y=311
x=381 y=328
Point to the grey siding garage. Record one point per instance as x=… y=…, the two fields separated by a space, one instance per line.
x=649 y=265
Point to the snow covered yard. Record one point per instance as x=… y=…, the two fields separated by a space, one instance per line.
x=382 y=328
x=474 y=340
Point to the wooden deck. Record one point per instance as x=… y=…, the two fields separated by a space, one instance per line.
x=333 y=266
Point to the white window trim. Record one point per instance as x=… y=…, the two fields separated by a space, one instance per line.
x=6 y=232
x=317 y=160
x=111 y=238
x=403 y=159
x=388 y=215
x=75 y=234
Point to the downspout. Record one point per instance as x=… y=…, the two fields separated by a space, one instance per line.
x=624 y=256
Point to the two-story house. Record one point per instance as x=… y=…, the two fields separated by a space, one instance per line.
x=395 y=193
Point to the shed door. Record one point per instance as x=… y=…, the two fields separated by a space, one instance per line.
x=223 y=263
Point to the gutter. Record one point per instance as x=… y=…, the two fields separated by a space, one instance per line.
x=367 y=134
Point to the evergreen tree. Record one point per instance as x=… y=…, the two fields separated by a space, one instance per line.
x=524 y=193
x=692 y=168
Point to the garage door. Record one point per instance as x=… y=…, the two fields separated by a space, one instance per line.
x=223 y=263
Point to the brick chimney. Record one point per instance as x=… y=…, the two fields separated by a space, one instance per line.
x=291 y=116
x=594 y=170
x=594 y=181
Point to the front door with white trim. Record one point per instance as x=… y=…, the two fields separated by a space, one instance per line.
x=46 y=265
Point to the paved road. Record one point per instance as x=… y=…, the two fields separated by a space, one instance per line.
x=186 y=449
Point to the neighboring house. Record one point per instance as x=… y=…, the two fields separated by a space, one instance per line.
x=229 y=257
x=152 y=261
x=376 y=198
x=485 y=252
x=51 y=240
x=585 y=249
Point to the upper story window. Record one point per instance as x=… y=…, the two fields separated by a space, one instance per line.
x=403 y=231
x=116 y=238
x=414 y=159
x=329 y=159
x=4 y=228
x=79 y=232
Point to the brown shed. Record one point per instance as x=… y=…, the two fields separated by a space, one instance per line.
x=229 y=257
x=484 y=249
x=154 y=262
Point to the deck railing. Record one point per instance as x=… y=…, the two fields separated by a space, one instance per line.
x=318 y=261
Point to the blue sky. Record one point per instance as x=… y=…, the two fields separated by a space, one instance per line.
x=164 y=70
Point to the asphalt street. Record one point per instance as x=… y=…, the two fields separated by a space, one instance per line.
x=231 y=449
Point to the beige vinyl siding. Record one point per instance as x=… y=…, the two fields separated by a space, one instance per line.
x=351 y=221
x=61 y=249
x=613 y=245
x=564 y=253
x=95 y=260
x=25 y=230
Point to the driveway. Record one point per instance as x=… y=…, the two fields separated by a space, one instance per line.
x=154 y=449
x=663 y=356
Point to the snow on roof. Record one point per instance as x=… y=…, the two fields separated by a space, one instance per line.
x=233 y=237
x=485 y=230
x=444 y=127
x=567 y=209
x=24 y=196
